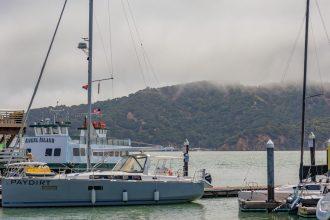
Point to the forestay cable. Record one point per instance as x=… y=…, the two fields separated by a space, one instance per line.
x=287 y=66
x=322 y=20
x=132 y=38
x=26 y=115
x=144 y=52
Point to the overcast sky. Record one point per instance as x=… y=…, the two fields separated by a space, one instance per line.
x=228 y=41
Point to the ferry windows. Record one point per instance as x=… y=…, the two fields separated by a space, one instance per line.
x=49 y=152
x=117 y=154
x=78 y=152
x=57 y=152
x=75 y=152
x=56 y=130
x=82 y=152
x=46 y=130
x=38 y=131
x=112 y=153
x=64 y=130
x=98 y=154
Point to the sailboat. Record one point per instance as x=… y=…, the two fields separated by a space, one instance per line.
x=132 y=181
x=290 y=197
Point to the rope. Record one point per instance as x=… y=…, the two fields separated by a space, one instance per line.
x=322 y=20
x=144 y=52
x=132 y=38
x=317 y=59
x=110 y=49
x=102 y=42
x=287 y=66
x=38 y=82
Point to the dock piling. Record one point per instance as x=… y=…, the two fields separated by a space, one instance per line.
x=185 y=158
x=311 y=145
x=270 y=170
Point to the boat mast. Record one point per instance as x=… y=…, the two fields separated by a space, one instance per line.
x=90 y=62
x=304 y=94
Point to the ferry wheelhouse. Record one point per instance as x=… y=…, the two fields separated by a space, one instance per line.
x=52 y=144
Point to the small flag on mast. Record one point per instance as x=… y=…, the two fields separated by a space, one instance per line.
x=85 y=86
x=97 y=111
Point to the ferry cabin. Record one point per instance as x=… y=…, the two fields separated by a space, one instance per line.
x=53 y=145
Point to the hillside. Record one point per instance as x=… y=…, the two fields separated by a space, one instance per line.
x=210 y=116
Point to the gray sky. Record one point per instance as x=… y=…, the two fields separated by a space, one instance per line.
x=227 y=41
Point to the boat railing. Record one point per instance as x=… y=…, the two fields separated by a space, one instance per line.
x=17 y=155
x=105 y=141
x=199 y=175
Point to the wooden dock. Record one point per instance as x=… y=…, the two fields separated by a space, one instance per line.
x=228 y=191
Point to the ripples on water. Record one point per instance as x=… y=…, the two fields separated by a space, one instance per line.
x=227 y=169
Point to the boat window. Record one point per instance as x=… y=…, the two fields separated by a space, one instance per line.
x=116 y=154
x=56 y=130
x=112 y=153
x=131 y=164
x=82 y=152
x=57 y=152
x=46 y=130
x=106 y=154
x=75 y=152
x=63 y=130
x=38 y=131
x=313 y=187
x=48 y=152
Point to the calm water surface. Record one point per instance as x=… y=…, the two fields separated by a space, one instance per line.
x=227 y=169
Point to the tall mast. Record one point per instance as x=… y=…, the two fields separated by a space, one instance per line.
x=90 y=62
x=304 y=94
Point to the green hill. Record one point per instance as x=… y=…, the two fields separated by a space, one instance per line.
x=210 y=116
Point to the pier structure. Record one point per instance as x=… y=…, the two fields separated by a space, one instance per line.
x=10 y=125
x=11 y=121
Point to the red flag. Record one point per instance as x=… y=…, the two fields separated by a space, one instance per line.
x=85 y=86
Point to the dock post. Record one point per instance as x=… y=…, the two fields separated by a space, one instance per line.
x=185 y=158
x=311 y=145
x=327 y=145
x=270 y=170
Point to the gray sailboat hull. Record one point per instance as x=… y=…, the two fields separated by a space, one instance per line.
x=41 y=192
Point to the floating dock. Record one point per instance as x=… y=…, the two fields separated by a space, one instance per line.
x=228 y=191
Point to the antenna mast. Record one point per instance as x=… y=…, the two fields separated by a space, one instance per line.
x=90 y=72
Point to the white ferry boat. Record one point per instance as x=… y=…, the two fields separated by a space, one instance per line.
x=52 y=144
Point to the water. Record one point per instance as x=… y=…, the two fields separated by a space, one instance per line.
x=227 y=169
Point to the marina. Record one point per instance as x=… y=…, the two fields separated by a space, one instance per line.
x=193 y=151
